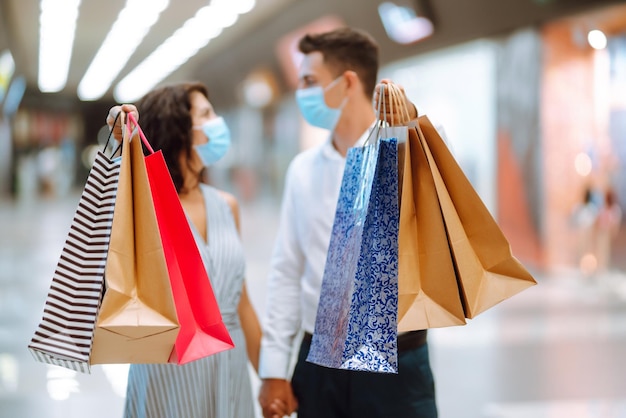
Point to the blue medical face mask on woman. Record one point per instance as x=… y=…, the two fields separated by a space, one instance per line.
x=219 y=141
x=314 y=108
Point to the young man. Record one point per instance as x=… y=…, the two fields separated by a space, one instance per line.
x=336 y=83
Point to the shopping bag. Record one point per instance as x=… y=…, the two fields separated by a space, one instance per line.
x=356 y=325
x=65 y=333
x=428 y=293
x=487 y=271
x=202 y=331
x=137 y=322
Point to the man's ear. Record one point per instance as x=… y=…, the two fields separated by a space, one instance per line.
x=353 y=82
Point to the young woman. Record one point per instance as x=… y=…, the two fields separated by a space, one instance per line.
x=180 y=121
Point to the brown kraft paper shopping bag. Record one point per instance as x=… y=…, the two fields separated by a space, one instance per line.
x=488 y=272
x=428 y=293
x=137 y=322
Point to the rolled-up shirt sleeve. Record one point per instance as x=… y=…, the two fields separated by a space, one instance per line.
x=283 y=316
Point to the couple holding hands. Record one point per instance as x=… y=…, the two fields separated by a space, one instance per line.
x=337 y=86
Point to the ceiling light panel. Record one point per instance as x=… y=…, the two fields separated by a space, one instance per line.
x=127 y=32
x=57 y=26
x=195 y=34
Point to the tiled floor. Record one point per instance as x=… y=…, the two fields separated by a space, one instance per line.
x=557 y=350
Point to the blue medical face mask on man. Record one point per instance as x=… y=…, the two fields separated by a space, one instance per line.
x=314 y=109
x=219 y=141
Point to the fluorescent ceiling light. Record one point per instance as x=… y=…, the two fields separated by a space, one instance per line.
x=597 y=39
x=57 y=24
x=402 y=23
x=131 y=26
x=195 y=34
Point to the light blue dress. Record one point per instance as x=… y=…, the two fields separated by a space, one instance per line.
x=217 y=386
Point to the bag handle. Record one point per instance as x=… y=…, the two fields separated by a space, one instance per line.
x=381 y=122
x=106 y=144
x=395 y=94
x=386 y=107
x=141 y=134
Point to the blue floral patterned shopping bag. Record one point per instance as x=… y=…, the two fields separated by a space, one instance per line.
x=356 y=324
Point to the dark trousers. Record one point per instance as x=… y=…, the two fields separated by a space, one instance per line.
x=332 y=393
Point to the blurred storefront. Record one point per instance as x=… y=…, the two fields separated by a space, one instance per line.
x=484 y=95
x=44 y=152
x=583 y=104
x=535 y=118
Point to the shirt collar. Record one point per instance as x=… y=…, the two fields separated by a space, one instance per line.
x=329 y=150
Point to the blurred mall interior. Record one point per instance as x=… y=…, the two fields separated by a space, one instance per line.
x=531 y=95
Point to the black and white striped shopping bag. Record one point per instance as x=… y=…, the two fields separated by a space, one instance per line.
x=65 y=333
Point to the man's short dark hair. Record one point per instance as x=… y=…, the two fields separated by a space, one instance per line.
x=346 y=49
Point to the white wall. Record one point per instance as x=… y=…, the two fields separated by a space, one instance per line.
x=455 y=88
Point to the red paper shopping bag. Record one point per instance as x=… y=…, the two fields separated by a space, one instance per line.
x=202 y=331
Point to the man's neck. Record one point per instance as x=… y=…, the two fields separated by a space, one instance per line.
x=356 y=119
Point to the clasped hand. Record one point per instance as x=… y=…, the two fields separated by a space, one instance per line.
x=400 y=113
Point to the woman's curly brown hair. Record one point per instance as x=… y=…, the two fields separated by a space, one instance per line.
x=166 y=121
